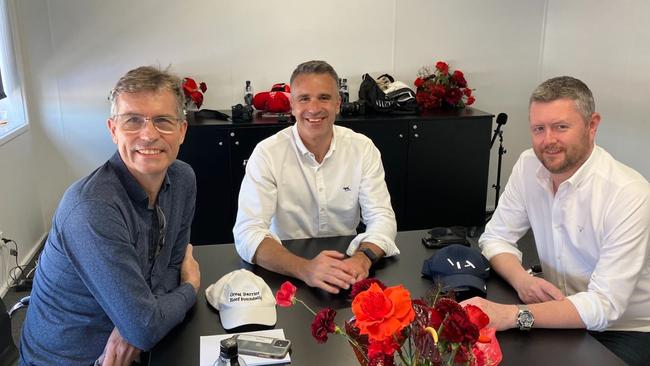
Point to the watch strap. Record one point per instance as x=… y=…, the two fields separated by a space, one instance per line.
x=370 y=254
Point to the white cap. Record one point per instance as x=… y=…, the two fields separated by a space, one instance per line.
x=242 y=297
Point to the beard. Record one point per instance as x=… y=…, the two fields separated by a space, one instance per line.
x=564 y=158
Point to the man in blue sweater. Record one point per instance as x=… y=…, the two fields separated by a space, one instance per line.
x=117 y=272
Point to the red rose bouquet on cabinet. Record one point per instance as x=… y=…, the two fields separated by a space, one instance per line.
x=193 y=93
x=389 y=328
x=440 y=87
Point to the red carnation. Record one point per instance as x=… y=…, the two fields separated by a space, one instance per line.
x=458 y=78
x=323 y=324
x=363 y=285
x=467 y=92
x=458 y=328
x=470 y=100
x=418 y=82
x=286 y=295
x=443 y=67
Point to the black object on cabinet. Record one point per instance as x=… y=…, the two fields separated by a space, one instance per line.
x=436 y=167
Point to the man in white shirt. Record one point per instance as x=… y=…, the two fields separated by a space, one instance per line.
x=590 y=215
x=314 y=179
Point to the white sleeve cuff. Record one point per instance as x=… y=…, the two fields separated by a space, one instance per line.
x=247 y=247
x=590 y=310
x=490 y=248
x=382 y=241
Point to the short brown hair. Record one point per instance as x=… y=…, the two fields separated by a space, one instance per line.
x=566 y=87
x=315 y=67
x=148 y=79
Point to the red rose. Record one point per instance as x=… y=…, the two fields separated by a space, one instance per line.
x=197 y=98
x=418 y=82
x=286 y=294
x=443 y=67
x=458 y=78
x=323 y=324
x=454 y=95
x=439 y=91
x=470 y=101
x=382 y=313
x=467 y=92
x=189 y=85
x=363 y=285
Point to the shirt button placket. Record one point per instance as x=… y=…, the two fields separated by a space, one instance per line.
x=322 y=202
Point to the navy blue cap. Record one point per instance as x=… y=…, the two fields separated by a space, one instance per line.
x=458 y=267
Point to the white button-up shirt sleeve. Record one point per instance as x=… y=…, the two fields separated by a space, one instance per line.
x=376 y=209
x=510 y=220
x=256 y=205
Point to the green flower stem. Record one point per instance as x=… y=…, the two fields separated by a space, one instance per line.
x=337 y=330
x=307 y=306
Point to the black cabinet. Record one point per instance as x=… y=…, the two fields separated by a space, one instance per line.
x=436 y=167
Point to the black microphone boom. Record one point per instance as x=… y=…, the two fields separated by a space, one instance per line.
x=502 y=118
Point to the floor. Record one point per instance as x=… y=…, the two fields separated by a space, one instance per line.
x=526 y=245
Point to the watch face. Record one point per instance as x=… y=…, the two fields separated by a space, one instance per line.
x=525 y=319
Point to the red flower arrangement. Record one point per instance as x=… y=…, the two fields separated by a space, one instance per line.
x=442 y=88
x=389 y=326
x=193 y=92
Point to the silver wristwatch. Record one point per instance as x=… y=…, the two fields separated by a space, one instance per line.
x=525 y=318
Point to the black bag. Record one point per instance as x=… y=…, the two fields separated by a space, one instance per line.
x=401 y=101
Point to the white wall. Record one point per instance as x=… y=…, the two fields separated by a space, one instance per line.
x=76 y=50
x=606 y=44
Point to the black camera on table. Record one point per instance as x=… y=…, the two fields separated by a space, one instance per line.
x=353 y=108
x=242 y=113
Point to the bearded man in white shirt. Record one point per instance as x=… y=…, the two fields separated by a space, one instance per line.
x=590 y=216
x=315 y=179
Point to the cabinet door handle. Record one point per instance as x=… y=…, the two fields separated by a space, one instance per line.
x=220 y=143
x=236 y=142
x=244 y=162
x=416 y=135
x=401 y=136
x=415 y=127
x=232 y=134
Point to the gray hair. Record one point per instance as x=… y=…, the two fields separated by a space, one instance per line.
x=315 y=67
x=148 y=79
x=566 y=87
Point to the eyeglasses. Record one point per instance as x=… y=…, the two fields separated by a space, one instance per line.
x=135 y=122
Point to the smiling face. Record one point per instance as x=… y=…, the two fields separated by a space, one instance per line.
x=561 y=139
x=315 y=102
x=147 y=153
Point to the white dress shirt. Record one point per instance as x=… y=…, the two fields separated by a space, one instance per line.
x=592 y=236
x=287 y=194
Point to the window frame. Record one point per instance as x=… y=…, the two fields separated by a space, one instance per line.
x=12 y=72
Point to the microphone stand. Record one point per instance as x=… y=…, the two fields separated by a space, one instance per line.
x=502 y=151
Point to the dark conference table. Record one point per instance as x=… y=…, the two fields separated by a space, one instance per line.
x=537 y=347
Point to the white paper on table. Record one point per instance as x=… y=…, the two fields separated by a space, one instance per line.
x=210 y=349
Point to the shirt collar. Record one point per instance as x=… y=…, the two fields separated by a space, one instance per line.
x=303 y=149
x=132 y=187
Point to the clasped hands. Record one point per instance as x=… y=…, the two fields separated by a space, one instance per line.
x=332 y=271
